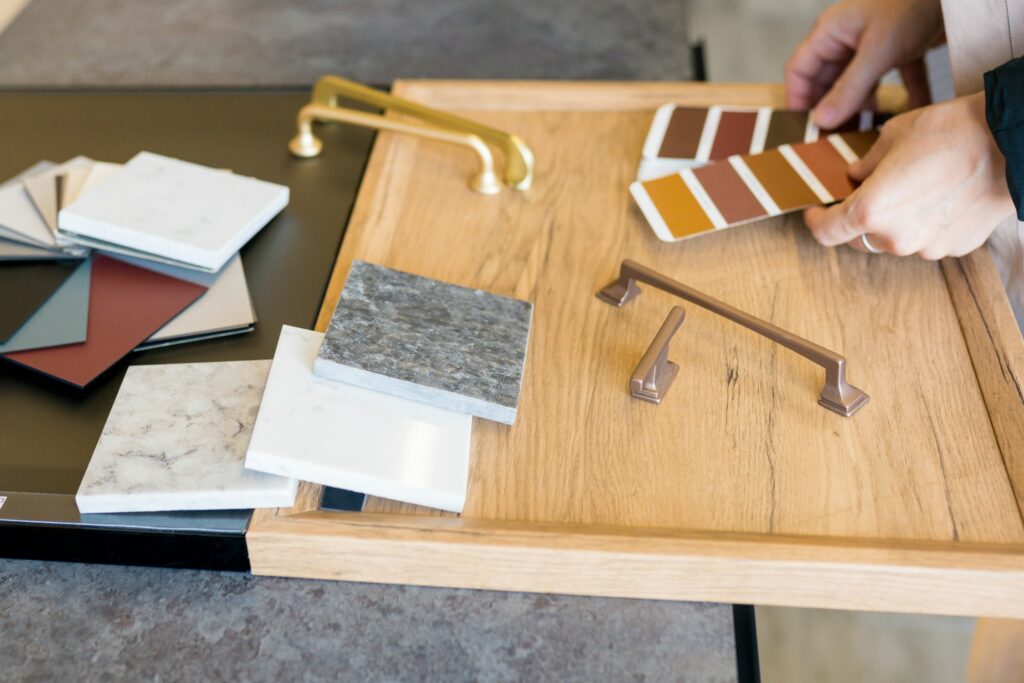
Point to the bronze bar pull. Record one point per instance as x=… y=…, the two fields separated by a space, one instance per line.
x=305 y=144
x=837 y=395
x=653 y=376
x=518 y=156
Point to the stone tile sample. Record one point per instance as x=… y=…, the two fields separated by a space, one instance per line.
x=351 y=438
x=176 y=439
x=430 y=341
x=174 y=210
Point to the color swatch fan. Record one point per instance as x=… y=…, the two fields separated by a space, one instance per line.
x=685 y=137
x=748 y=187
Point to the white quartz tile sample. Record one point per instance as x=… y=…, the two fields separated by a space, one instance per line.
x=347 y=437
x=175 y=210
x=176 y=439
x=418 y=338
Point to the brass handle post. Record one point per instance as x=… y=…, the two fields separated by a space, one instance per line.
x=655 y=372
x=306 y=144
x=518 y=156
x=836 y=395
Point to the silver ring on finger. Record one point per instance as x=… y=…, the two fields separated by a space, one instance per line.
x=867 y=244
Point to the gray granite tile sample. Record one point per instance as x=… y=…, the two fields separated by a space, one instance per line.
x=417 y=338
x=176 y=439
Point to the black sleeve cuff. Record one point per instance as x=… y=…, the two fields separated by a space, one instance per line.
x=1004 y=112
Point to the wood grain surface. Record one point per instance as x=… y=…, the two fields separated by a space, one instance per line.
x=739 y=454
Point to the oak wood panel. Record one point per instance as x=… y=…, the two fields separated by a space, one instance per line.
x=740 y=446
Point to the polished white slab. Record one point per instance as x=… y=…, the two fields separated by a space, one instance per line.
x=340 y=435
x=174 y=209
x=176 y=439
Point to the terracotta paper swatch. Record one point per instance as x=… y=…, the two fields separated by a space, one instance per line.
x=126 y=305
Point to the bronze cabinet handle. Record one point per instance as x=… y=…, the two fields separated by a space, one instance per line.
x=837 y=395
x=655 y=372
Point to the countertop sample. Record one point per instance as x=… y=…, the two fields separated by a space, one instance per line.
x=422 y=339
x=94 y=622
x=176 y=439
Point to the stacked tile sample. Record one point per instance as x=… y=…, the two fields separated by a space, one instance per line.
x=409 y=336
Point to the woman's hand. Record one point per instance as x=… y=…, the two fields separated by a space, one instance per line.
x=933 y=185
x=853 y=43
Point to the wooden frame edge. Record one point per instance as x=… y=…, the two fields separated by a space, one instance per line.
x=936 y=578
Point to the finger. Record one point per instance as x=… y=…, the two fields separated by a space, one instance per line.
x=858 y=245
x=833 y=225
x=854 y=86
x=915 y=80
x=814 y=66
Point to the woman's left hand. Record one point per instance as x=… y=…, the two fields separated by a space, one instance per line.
x=933 y=185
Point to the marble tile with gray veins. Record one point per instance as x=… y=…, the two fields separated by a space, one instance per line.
x=422 y=339
x=176 y=439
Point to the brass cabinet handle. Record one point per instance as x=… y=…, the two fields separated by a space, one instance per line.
x=837 y=395
x=518 y=156
x=305 y=144
x=655 y=372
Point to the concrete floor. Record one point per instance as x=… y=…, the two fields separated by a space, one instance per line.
x=93 y=623
x=106 y=619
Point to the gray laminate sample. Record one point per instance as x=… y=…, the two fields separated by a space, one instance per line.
x=410 y=336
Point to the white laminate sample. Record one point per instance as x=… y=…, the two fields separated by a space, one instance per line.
x=344 y=436
x=174 y=209
x=176 y=439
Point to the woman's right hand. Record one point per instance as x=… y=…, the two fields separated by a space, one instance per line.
x=836 y=68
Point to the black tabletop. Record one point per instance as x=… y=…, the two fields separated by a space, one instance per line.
x=48 y=430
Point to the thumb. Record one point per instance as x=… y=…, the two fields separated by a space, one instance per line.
x=854 y=85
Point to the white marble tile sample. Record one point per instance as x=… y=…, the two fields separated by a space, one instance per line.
x=347 y=437
x=418 y=338
x=176 y=439
x=174 y=209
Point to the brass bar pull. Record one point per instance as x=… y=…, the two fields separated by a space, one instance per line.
x=836 y=395
x=305 y=144
x=653 y=376
x=518 y=156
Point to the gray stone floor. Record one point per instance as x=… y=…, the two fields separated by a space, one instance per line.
x=79 y=622
x=268 y=42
